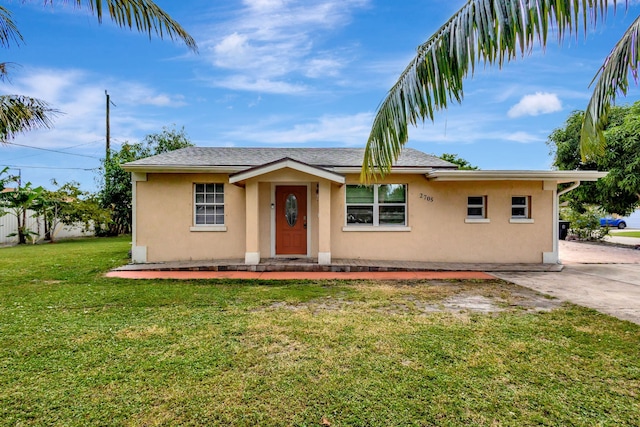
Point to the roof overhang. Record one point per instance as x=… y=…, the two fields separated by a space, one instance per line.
x=506 y=175
x=404 y=170
x=182 y=168
x=286 y=163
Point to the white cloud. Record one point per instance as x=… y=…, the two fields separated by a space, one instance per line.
x=346 y=130
x=80 y=97
x=534 y=105
x=272 y=40
x=262 y=85
x=522 y=137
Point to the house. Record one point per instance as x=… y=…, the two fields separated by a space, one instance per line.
x=212 y=203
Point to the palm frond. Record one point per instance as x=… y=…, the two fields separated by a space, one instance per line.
x=482 y=31
x=9 y=33
x=613 y=77
x=19 y=114
x=142 y=15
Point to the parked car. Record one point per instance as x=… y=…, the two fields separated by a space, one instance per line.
x=613 y=222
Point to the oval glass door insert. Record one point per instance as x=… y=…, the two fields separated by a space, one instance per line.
x=291 y=210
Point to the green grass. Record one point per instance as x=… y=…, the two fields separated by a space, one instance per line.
x=627 y=234
x=79 y=349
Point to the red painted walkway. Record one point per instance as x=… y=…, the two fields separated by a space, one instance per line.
x=302 y=275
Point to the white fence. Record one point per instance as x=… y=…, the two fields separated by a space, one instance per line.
x=9 y=225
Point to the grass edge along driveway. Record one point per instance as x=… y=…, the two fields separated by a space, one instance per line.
x=77 y=348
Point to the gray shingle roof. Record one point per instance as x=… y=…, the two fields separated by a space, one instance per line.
x=251 y=157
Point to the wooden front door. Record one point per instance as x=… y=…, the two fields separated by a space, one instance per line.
x=291 y=220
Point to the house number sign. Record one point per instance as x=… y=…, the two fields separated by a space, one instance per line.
x=426 y=197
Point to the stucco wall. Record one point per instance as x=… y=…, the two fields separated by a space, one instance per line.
x=438 y=232
x=164 y=216
x=438 y=229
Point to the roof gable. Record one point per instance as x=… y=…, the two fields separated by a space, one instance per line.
x=284 y=164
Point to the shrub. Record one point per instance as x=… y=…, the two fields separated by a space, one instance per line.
x=585 y=225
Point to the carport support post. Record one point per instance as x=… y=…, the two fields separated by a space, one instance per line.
x=252 y=229
x=552 y=257
x=324 y=222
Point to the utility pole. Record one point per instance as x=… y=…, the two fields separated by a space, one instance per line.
x=108 y=142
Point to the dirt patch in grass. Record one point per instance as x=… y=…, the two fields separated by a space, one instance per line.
x=426 y=297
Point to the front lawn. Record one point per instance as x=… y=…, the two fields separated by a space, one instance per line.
x=627 y=234
x=78 y=349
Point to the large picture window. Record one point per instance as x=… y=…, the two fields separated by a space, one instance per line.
x=377 y=205
x=209 y=204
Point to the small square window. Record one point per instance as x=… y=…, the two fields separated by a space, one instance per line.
x=477 y=207
x=520 y=207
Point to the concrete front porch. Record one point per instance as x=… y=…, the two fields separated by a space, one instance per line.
x=337 y=265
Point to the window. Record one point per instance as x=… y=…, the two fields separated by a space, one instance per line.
x=209 y=204
x=521 y=210
x=520 y=207
x=377 y=205
x=477 y=207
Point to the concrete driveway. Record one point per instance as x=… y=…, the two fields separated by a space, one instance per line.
x=602 y=277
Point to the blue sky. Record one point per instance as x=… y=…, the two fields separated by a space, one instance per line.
x=280 y=73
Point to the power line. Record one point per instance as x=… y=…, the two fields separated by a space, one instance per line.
x=65 y=148
x=50 y=167
x=53 y=151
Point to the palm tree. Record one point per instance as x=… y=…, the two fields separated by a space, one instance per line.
x=19 y=113
x=494 y=32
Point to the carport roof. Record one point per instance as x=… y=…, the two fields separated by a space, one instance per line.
x=514 y=175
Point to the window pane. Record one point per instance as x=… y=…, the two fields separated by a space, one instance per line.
x=391 y=193
x=199 y=188
x=359 y=194
x=519 y=201
x=474 y=212
x=219 y=198
x=291 y=210
x=219 y=219
x=209 y=198
x=392 y=215
x=360 y=215
x=476 y=200
x=199 y=198
x=200 y=219
x=518 y=212
x=219 y=188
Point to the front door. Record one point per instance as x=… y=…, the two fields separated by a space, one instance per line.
x=291 y=220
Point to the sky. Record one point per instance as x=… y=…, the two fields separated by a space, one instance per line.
x=280 y=73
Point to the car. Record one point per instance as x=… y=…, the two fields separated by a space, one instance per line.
x=613 y=222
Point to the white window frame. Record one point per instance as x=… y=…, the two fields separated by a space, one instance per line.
x=520 y=206
x=375 y=205
x=208 y=227
x=483 y=218
x=521 y=219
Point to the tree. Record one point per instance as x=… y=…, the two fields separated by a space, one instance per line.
x=462 y=163
x=17 y=201
x=70 y=206
x=19 y=114
x=619 y=191
x=115 y=194
x=494 y=32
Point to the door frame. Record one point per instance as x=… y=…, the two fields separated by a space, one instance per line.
x=273 y=217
